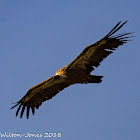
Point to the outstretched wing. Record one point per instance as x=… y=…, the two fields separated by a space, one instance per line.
x=40 y=93
x=93 y=55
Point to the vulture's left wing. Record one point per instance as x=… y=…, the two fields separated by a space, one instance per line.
x=93 y=55
x=40 y=93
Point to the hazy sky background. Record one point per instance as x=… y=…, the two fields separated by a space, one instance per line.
x=39 y=37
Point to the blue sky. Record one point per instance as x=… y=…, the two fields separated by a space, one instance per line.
x=39 y=37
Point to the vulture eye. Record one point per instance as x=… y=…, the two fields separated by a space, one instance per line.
x=56 y=77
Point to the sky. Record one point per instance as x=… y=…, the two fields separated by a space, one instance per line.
x=39 y=37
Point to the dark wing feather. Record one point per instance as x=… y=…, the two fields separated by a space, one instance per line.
x=40 y=93
x=93 y=55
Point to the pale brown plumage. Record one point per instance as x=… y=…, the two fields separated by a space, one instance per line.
x=78 y=71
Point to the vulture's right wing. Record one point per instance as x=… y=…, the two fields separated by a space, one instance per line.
x=40 y=93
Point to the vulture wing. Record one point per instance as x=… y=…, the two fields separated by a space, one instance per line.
x=93 y=55
x=40 y=93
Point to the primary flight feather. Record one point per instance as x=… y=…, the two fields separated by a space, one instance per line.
x=78 y=71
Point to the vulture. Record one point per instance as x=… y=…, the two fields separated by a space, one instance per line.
x=78 y=71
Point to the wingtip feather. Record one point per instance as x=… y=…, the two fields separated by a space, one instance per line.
x=22 y=111
x=116 y=28
x=18 y=109
x=17 y=103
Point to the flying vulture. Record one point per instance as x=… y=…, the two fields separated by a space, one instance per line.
x=78 y=71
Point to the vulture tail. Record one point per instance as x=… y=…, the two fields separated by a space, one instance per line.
x=95 y=79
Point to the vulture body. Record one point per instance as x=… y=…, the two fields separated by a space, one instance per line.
x=78 y=71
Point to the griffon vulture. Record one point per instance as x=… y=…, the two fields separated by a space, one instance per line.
x=78 y=71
